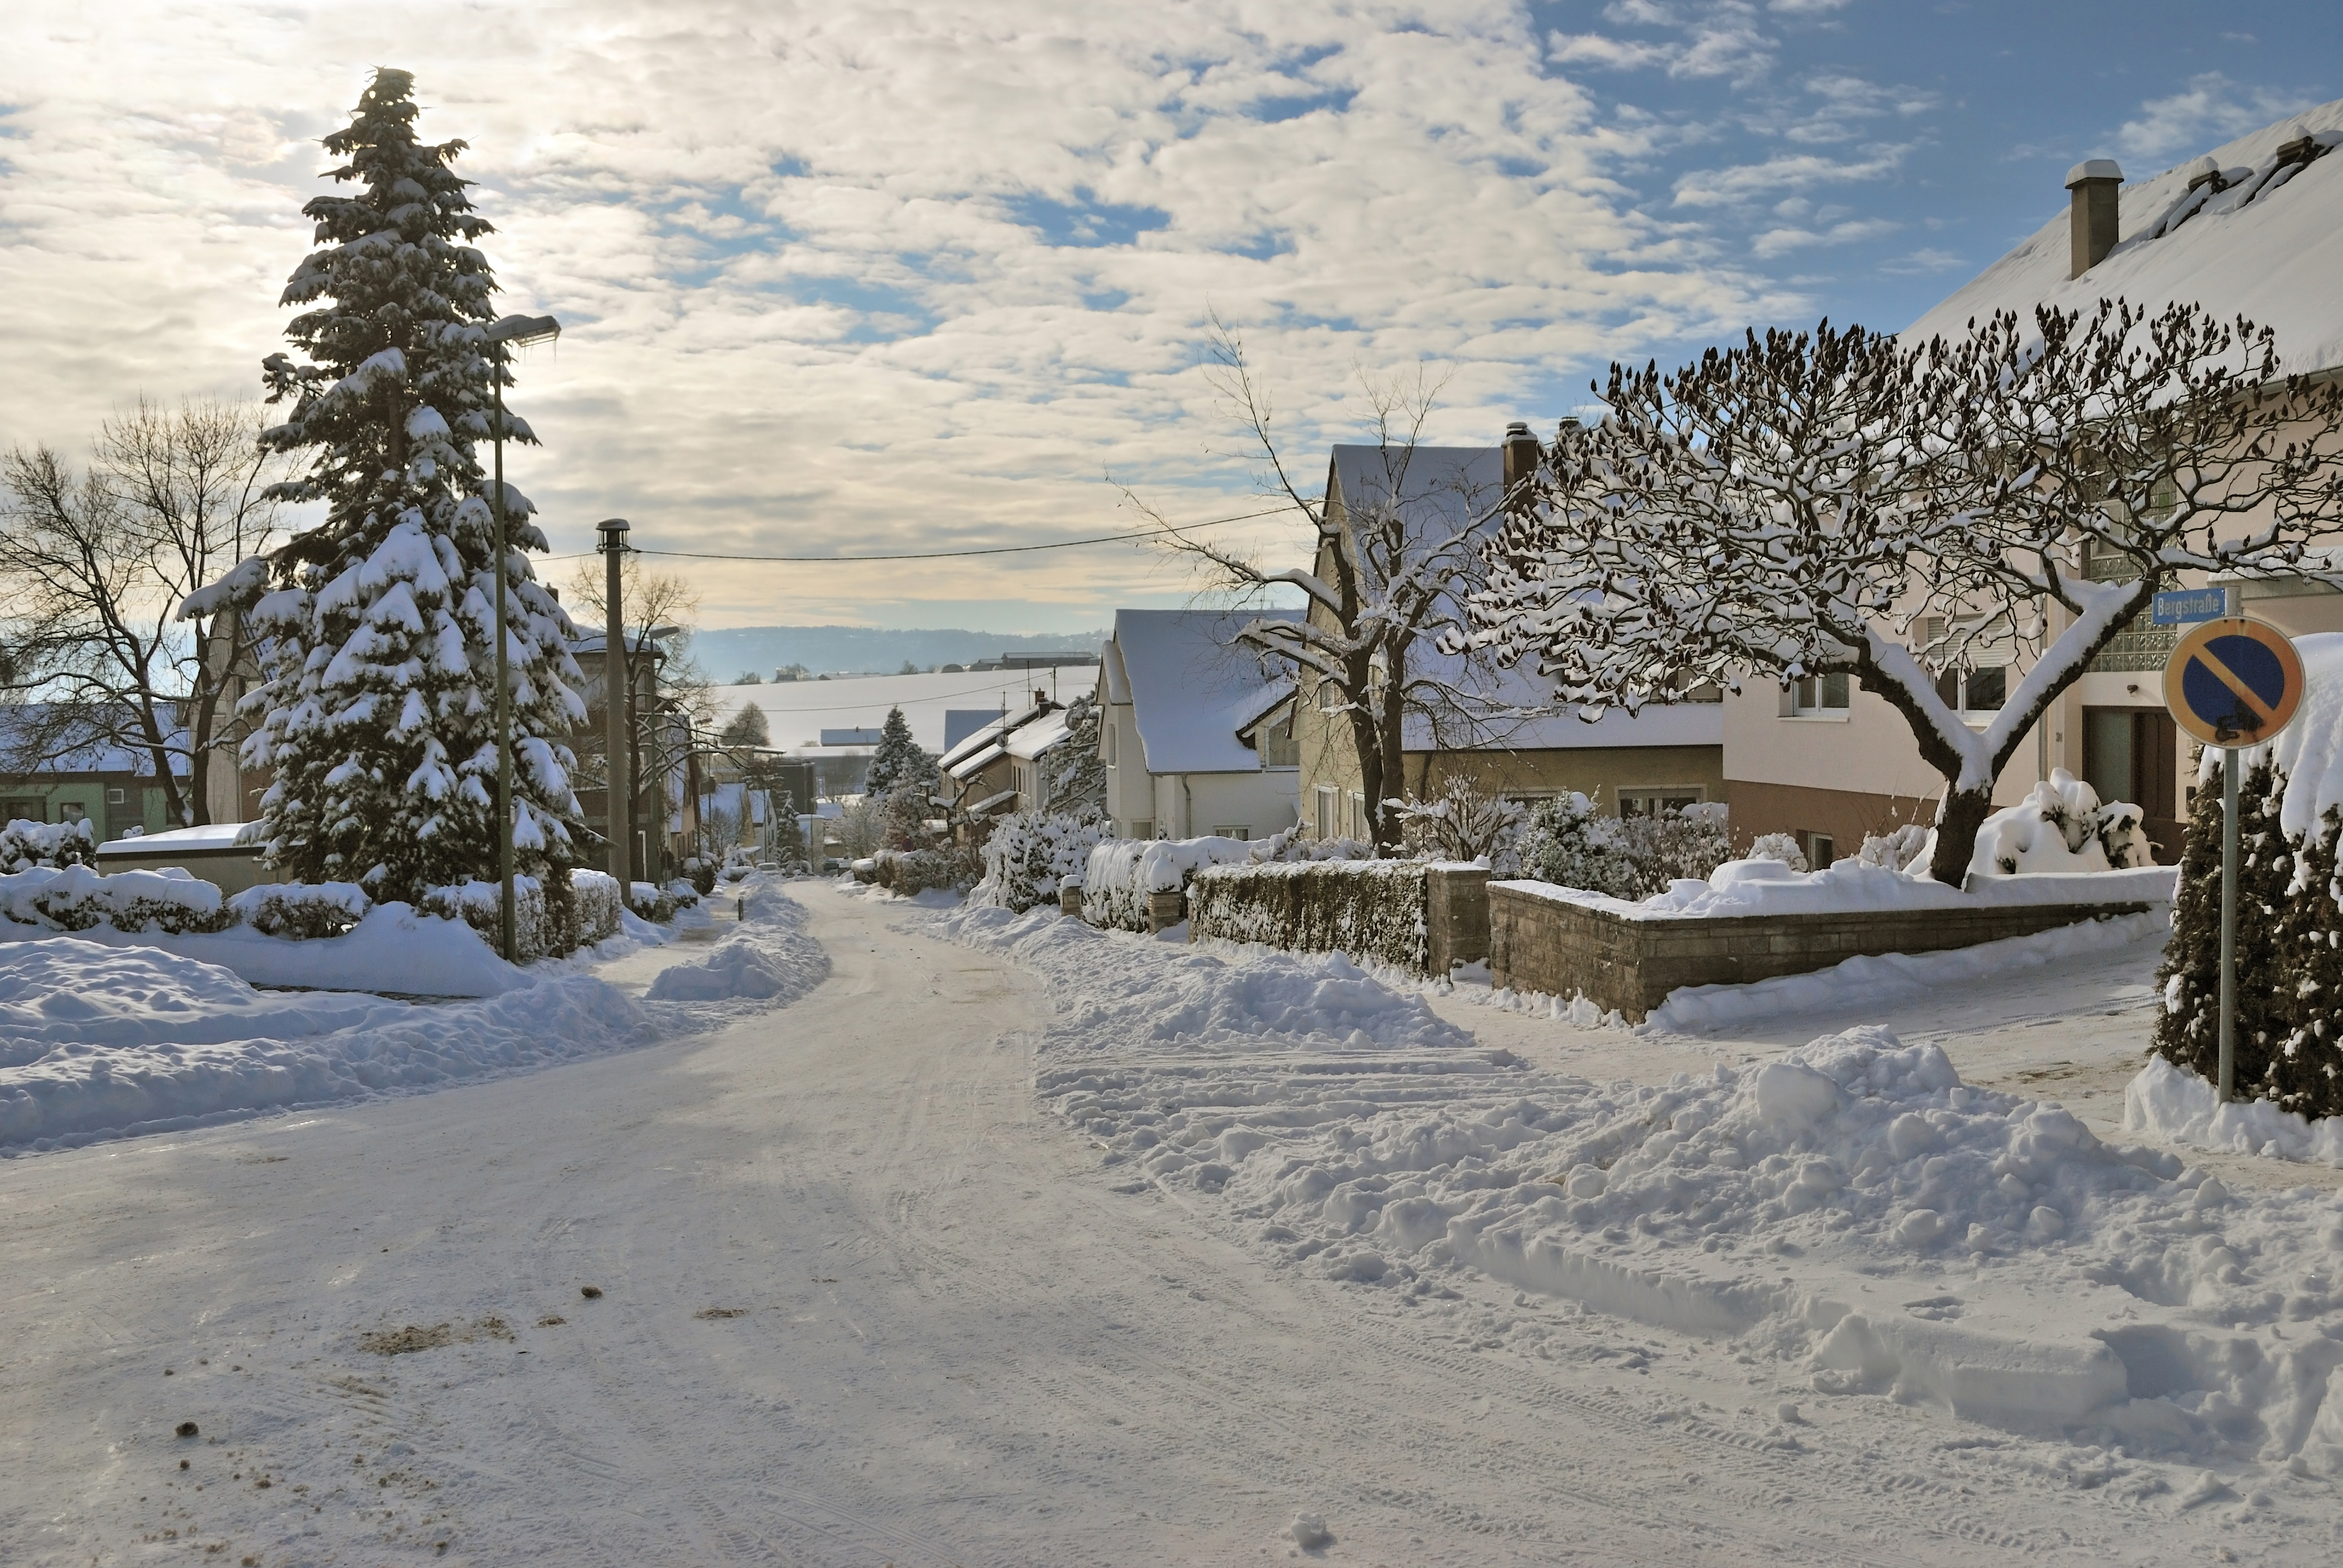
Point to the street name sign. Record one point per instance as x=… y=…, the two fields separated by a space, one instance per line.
x=2179 y=607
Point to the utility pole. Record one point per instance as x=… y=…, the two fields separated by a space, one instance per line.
x=616 y=692
x=506 y=334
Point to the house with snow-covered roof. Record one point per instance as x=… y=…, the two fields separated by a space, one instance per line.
x=2250 y=229
x=1499 y=728
x=1196 y=731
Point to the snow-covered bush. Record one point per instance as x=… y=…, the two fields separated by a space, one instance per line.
x=1781 y=847
x=2061 y=827
x=649 y=903
x=1032 y=855
x=77 y=898
x=23 y=845
x=1368 y=909
x=1896 y=851
x=480 y=905
x=1570 y=843
x=300 y=911
x=593 y=908
x=953 y=868
x=1122 y=872
x=1465 y=823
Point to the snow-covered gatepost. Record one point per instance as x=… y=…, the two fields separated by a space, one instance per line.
x=1833 y=503
x=377 y=628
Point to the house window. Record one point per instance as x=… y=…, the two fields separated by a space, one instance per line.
x=1329 y=696
x=1326 y=826
x=1276 y=743
x=1143 y=827
x=1358 y=815
x=1819 y=848
x=114 y=798
x=1107 y=735
x=1981 y=690
x=1232 y=830
x=1654 y=802
x=1817 y=695
x=72 y=811
x=23 y=810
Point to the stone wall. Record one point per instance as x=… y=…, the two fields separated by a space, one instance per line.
x=1455 y=917
x=1543 y=944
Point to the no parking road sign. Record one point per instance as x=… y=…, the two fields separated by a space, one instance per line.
x=2233 y=682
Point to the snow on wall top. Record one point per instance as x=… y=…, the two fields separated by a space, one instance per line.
x=1189 y=690
x=2261 y=247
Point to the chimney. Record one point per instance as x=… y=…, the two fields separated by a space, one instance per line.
x=2091 y=226
x=1520 y=461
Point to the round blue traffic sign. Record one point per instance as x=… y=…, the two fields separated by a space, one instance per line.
x=2233 y=682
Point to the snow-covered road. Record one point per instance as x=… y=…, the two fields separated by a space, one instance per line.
x=863 y=1302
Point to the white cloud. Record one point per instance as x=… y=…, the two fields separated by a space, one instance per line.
x=2210 y=110
x=1796 y=172
x=810 y=304
x=1777 y=242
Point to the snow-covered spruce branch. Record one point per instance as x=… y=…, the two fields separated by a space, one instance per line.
x=1834 y=503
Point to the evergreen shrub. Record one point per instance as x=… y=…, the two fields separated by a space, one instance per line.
x=1032 y=855
x=25 y=845
x=1370 y=910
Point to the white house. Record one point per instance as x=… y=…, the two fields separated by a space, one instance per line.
x=1197 y=734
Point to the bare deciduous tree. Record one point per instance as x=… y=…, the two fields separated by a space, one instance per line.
x=95 y=565
x=1390 y=574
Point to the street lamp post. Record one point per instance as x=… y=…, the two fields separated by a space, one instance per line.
x=615 y=694
x=511 y=332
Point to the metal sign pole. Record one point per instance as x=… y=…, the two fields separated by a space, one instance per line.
x=2229 y=924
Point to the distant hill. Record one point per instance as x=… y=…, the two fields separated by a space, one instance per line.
x=861 y=649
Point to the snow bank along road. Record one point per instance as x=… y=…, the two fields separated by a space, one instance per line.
x=864 y=1300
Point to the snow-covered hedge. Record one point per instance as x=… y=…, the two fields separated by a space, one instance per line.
x=1123 y=872
x=300 y=911
x=2061 y=827
x=78 y=899
x=1032 y=855
x=1367 y=908
x=75 y=898
x=952 y=868
x=25 y=845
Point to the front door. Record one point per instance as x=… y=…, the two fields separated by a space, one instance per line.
x=2132 y=754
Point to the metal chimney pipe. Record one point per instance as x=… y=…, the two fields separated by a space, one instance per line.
x=2094 y=216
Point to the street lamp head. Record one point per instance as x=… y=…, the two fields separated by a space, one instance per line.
x=522 y=330
x=614 y=533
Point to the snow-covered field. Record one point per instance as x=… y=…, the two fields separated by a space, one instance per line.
x=1015 y=1241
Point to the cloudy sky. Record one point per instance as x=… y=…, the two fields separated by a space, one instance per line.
x=847 y=277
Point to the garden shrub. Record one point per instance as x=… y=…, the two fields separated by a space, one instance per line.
x=1032 y=855
x=25 y=845
x=1370 y=910
x=300 y=911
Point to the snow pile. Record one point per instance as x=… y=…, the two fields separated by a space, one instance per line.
x=1118 y=990
x=770 y=959
x=1891 y=978
x=97 y=1042
x=2060 y=827
x=1768 y=887
x=100 y=1039
x=1851 y=1209
x=23 y=845
x=2169 y=1102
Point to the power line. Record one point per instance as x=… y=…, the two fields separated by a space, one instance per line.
x=942 y=555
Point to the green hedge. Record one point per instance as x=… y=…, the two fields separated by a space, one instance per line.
x=1370 y=910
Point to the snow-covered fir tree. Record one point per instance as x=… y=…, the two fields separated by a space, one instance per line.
x=900 y=759
x=377 y=628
